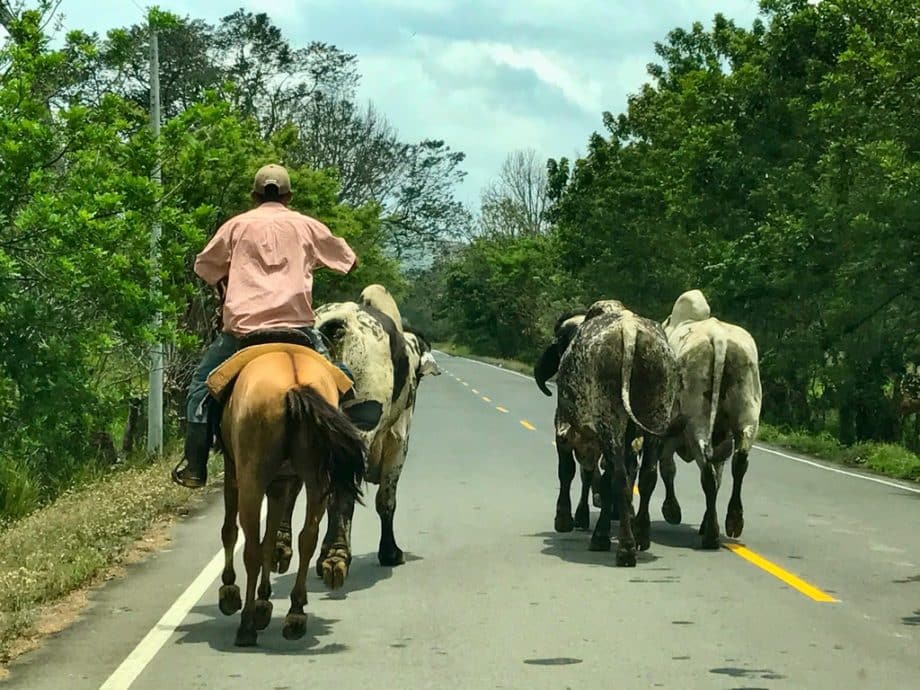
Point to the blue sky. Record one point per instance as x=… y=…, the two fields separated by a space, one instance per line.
x=487 y=77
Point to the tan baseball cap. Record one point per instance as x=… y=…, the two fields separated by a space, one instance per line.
x=272 y=175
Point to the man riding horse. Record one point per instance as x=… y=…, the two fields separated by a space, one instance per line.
x=262 y=262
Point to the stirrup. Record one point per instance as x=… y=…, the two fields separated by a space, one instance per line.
x=186 y=482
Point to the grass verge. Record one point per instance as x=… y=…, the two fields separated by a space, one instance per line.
x=887 y=459
x=78 y=540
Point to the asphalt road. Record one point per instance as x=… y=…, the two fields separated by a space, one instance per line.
x=826 y=593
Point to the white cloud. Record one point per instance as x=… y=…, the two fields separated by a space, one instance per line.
x=487 y=77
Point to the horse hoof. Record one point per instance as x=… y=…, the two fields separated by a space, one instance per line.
x=599 y=544
x=263 y=614
x=582 y=519
x=563 y=523
x=246 y=637
x=229 y=600
x=626 y=558
x=671 y=513
x=295 y=626
x=391 y=558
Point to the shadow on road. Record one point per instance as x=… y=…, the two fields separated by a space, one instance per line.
x=218 y=632
x=364 y=573
x=573 y=546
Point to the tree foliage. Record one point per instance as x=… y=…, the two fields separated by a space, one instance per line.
x=77 y=200
x=777 y=168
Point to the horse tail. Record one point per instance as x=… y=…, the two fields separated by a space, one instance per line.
x=341 y=450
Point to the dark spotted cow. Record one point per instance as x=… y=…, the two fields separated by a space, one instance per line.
x=720 y=401
x=617 y=377
x=544 y=369
x=388 y=361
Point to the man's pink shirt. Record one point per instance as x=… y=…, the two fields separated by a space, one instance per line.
x=268 y=255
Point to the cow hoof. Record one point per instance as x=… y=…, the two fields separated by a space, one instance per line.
x=710 y=542
x=671 y=512
x=734 y=524
x=263 y=614
x=282 y=559
x=582 y=518
x=391 y=557
x=626 y=558
x=335 y=569
x=229 y=600
x=295 y=626
x=564 y=522
x=599 y=544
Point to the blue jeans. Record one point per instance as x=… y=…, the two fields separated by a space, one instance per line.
x=218 y=352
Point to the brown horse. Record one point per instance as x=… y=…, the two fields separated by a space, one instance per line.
x=280 y=423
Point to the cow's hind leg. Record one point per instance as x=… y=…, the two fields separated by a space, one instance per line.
x=648 y=478
x=566 y=472
x=710 y=478
x=624 y=479
x=229 y=599
x=295 y=623
x=284 y=550
x=335 y=557
x=734 y=518
x=670 y=509
x=389 y=553
x=583 y=513
x=600 y=538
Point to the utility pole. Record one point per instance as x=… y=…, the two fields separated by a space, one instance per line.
x=155 y=396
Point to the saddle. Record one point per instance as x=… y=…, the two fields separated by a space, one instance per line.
x=253 y=345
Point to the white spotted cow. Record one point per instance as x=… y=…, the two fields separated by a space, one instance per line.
x=388 y=362
x=720 y=401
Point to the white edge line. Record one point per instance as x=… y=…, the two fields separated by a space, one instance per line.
x=837 y=470
x=820 y=466
x=153 y=641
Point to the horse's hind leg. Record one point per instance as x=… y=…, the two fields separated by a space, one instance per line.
x=229 y=594
x=295 y=624
x=277 y=492
x=250 y=504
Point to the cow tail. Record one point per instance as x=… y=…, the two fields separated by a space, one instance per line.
x=718 y=366
x=630 y=334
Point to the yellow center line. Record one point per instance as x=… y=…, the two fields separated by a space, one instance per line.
x=502 y=410
x=797 y=583
x=475 y=392
x=528 y=425
x=487 y=399
x=465 y=384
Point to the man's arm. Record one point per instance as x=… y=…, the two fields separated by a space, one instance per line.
x=213 y=263
x=330 y=251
